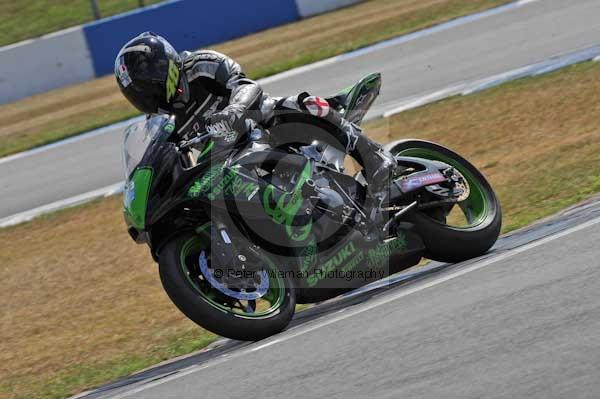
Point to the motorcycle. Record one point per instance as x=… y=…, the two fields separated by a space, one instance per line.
x=243 y=234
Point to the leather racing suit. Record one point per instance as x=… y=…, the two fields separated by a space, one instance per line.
x=214 y=84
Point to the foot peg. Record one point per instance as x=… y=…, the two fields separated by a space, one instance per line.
x=398 y=215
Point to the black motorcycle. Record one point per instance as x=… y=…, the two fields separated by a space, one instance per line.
x=244 y=233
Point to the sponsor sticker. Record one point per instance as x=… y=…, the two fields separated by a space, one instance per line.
x=412 y=183
x=317 y=106
x=172 y=80
x=129 y=194
x=122 y=72
x=169 y=127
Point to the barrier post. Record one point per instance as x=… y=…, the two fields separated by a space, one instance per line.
x=95 y=9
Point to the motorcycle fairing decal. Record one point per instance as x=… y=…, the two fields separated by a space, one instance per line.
x=378 y=256
x=309 y=256
x=122 y=72
x=135 y=197
x=334 y=263
x=348 y=258
x=206 y=182
x=317 y=106
x=411 y=183
x=128 y=194
x=215 y=182
x=206 y=150
x=172 y=80
x=362 y=96
x=287 y=206
x=169 y=127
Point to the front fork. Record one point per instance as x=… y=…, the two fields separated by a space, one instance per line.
x=223 y=251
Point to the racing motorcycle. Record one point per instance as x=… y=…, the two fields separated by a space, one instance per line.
x=243 y=234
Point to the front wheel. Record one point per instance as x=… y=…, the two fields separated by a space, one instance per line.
x=467 y=233
x=242 y=307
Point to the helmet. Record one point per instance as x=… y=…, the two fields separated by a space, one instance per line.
x=148 y=71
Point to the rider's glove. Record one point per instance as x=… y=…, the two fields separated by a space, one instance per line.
x=227 y=124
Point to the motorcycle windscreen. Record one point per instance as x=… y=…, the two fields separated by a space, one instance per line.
x=137 y=138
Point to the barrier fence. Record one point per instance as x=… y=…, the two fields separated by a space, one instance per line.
x=84 y=52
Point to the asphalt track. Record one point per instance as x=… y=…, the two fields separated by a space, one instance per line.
x=520 y=322
x=473 y=49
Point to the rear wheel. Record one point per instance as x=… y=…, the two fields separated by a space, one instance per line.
x=465 y=230
x=244 y=307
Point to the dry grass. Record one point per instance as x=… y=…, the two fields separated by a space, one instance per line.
x=27 y=19
x=537 y=140
x=48 y=117
x=83 y=304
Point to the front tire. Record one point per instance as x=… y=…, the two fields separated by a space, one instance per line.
x=448 y=243
x=208 y=307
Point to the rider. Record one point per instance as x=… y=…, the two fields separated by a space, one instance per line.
x=207 y=91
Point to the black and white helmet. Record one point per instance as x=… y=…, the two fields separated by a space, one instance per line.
x=148 y=72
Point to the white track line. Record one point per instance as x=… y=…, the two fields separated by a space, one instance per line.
x=358 y=309
x=66 y=203
x=70 y=140
x=466 y=88
x=400 y=40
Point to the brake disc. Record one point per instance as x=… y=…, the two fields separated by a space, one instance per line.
x=215 y=278
x=461 y=183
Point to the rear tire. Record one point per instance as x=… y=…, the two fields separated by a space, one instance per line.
x=209 y=314
x=446 y=243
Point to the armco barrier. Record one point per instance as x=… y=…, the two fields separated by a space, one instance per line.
x=187 y=24
x=43 y=64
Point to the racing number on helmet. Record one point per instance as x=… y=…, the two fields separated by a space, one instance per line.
x=172 y=80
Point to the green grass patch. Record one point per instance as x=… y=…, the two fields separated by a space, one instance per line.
x=32 y=18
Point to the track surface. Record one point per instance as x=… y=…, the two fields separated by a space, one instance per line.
x=535 y=32
x=521 y=322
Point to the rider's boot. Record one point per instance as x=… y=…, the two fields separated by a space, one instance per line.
x=378 y=169
x=378 y=163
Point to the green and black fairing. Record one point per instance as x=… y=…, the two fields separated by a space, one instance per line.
x=244 y=233
x=332 y=252
x=282 y=212
x=355 y=101
x=163 y=196
x=352 y=262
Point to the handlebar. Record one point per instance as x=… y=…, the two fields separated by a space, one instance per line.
x=196 y=140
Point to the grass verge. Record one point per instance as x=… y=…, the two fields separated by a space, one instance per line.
x=80 y=294
x=51 y=116
x=27 y=19
x=536 y=139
